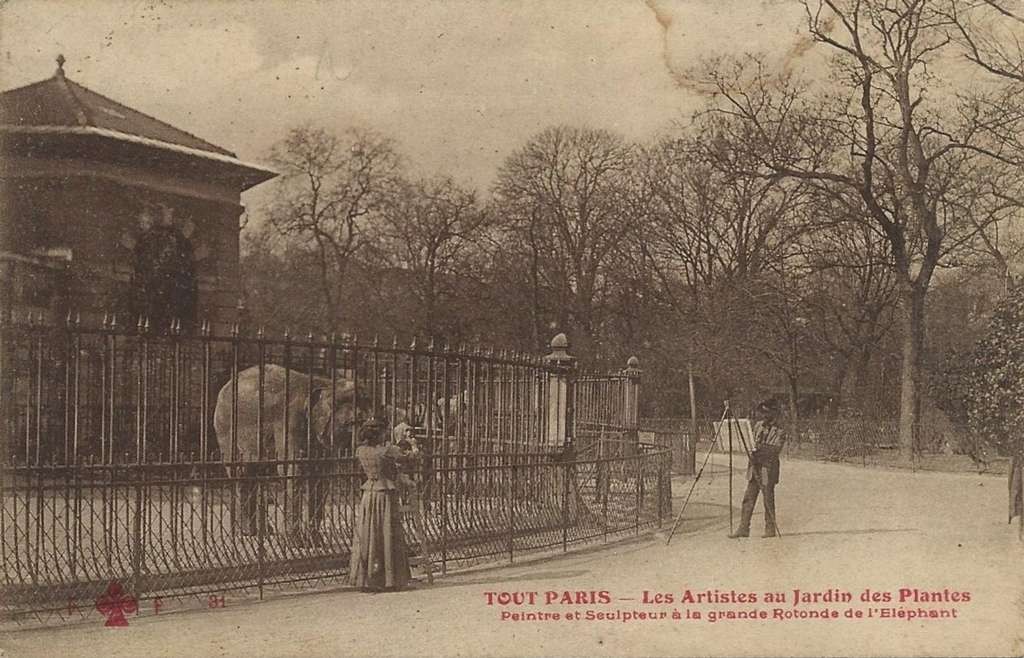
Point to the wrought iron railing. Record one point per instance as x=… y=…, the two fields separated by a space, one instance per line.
x=114 y=471
x=172 y=529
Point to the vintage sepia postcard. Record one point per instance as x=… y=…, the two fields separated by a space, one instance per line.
x=511 y=328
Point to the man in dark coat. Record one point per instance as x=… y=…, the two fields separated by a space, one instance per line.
x=763 y=470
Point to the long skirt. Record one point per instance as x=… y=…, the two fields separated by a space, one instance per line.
x=380 y=559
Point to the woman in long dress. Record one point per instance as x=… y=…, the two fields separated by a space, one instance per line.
x=380 y=558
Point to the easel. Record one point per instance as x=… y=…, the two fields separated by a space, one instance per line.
x=727 y=417
x=714 y=440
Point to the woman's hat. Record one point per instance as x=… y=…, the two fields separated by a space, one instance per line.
x=373 y=427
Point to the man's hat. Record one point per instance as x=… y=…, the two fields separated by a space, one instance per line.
x=768 y=408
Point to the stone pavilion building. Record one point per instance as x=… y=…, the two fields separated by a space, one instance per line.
x=104 y=209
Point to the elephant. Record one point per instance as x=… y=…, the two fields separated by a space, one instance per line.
x=300 y=411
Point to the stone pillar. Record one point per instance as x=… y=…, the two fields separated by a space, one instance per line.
x=560 y=367
x=631 y=394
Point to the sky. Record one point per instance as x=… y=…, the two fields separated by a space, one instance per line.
x=460 y=85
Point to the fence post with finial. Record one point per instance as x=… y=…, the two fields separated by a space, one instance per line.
x=560 y=367
x=631 y=395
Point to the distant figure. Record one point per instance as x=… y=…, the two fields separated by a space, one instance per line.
x=763 y=470
x=380 y=558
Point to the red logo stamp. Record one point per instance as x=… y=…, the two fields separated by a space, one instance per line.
x=115 y=603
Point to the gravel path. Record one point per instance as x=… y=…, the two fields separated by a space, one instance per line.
x=846 y=530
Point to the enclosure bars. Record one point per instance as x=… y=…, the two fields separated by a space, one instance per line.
x=68 y=388
x=261 y=521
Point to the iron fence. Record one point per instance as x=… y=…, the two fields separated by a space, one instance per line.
x=179 y=464
x=846 y=437
x=674 y=435
x=125 y=395
x=607 y=401
x=165 y=530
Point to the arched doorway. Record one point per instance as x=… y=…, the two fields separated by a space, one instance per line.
x=164 y=278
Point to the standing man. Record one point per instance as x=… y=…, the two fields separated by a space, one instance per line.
x=763 y=470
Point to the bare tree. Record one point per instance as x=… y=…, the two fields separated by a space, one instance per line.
x=890 y=132
x=331 y=187
x=429 y=229
x=563 y=196
x=780 y=329
x=272 y=268
x=713 y=220
x=851 y=299
x=716 y=228
x=990 y=31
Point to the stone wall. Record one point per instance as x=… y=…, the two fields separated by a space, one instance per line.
x=95 y=220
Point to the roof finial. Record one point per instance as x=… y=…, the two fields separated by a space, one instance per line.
x=60 y=64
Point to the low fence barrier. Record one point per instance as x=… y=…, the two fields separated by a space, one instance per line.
x=674 y=436
x=834 y=439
